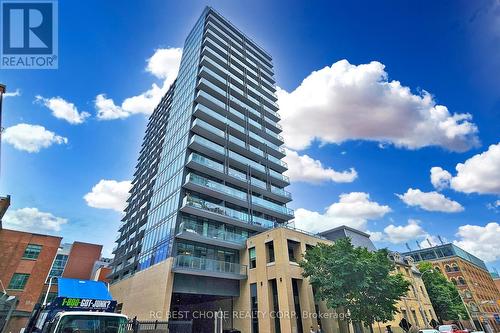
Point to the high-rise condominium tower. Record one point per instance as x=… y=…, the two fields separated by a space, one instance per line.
x=210 y=173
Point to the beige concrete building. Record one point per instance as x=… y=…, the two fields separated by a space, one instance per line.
x=273 y=295
x=416 y=308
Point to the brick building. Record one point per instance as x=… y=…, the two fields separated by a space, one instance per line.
x=470 y=274
x=25 y=265
x=29 y=260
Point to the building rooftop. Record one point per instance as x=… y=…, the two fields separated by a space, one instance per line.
x=445 y=251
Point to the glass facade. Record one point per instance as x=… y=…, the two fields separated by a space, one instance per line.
x=444 y=251
x=215 y=151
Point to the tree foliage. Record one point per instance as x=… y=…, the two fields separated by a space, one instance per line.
x=356 y=279
x=443 y=294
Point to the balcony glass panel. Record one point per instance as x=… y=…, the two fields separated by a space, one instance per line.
x=263 y=222
x=237 y=141
x=207 y=143
x=208 y=127
x=221 y=188
x=212 y=99
x=214 y=75
x=256 y=150
x=213 y=86
x=277 y=161
x=280 y=191
x=259 y=183
x=247 y=161
x=210 y=265
x=254 y=123
x=271 y=205
x=237 y=174
x=206 y=162
x=212 y=231
x=217 y=209
x=278 y=175
x=207 y=50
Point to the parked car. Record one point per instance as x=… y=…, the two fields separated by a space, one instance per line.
x=451 y=329
x=428 y=330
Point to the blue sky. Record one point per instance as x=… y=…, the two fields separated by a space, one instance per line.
x=449 y=49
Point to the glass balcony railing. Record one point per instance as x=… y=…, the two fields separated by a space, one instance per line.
x=206 y=162
x=207 y=143
x=208 y=127
x=277 y=136
x=237 y=174
x=209 y=265
x=277 y=161
x=278 y=175
x=212 y=233
x=271 y=205
x=258 y=183
x=214 y=100
x=280 y=191
x=227 y=212
x=216 y=209
x=247 y=161
x=218 y=187
x=263 y=222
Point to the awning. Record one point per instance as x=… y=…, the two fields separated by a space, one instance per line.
x=74 y=288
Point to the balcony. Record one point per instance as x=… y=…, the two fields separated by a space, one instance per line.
x=273 y=208
x=209 y=210
x=214 y=189
x=190 y=230
x=216 y=169
x=208 y=267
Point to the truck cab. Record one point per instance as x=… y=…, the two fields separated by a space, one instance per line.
x=85 y=322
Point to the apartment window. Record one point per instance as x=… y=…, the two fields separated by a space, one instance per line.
x=254 y=308
x=292 y=250
x=415 y=318
x=253 y=257
x=296 y=302
x=270 y=251
x=275 y=306
x=18 y=281
x=32 y=251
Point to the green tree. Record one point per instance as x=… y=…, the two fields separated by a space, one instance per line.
x=443 y=294
x=353 y=278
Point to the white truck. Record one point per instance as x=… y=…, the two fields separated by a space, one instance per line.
x=81 y=306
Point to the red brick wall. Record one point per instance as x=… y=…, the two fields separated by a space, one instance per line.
x=102 y=274
x=12 y=246
x=81 y=260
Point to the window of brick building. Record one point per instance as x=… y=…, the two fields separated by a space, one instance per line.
x=32 y=251
x=18 y=281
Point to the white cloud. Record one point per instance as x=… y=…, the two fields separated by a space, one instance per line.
x=31 y=138
x=404 y=233
x=483 y=242
x=63 y=109
x=164 y=65
x=15 y=93
x=109 y=194
x=348 y=102
x=32 y=220
x=440 y=178
x=353 y=209
x=302 y=168
x=433 y=240
x=430 y=201
x=479 y=174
